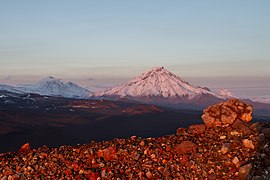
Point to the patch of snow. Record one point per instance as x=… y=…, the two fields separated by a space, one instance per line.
x=3 y=96
x=8 y=102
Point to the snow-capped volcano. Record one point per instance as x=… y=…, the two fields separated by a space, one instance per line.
x=155 y=82
x=158 y=83
x=55 y=87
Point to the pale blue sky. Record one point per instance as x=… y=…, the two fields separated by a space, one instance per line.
x=82 y=39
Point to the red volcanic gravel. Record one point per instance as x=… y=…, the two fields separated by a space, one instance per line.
x=218 y=152
x=181 y=156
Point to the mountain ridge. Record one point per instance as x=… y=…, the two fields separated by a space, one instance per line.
x=50 y=86
x=160 y=86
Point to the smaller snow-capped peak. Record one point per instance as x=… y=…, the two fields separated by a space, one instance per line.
x=225 y=94
x=47 y=86
x=55 y=87
x=156 y=82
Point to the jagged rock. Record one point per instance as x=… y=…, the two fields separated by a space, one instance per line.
x=266 y=132
x=186 y=147
x=245 y=172
x=142 y=143
x=108 y=153
x=248 y=143
x=212 y=177
x=261 y=137
x=222 y=137
x=180 y=131
x=242 y=126
x=196 y=129
x=149 y=175
x=226 y=113
x=184 y=160
x=25 y=148
x=225 y=148
x=236 y=161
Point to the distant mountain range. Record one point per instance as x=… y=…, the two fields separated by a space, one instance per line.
x=50 y=86
x=156 y=86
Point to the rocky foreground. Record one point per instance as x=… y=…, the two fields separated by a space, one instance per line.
x=227 y=146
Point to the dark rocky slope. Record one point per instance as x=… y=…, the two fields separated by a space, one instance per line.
x=228 y=146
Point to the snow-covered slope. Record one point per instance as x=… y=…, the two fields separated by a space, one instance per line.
x=4 y=87
x=78 y=89
x=158 y=83
x=55 y=87
x=225 y=93
x=262 y=100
